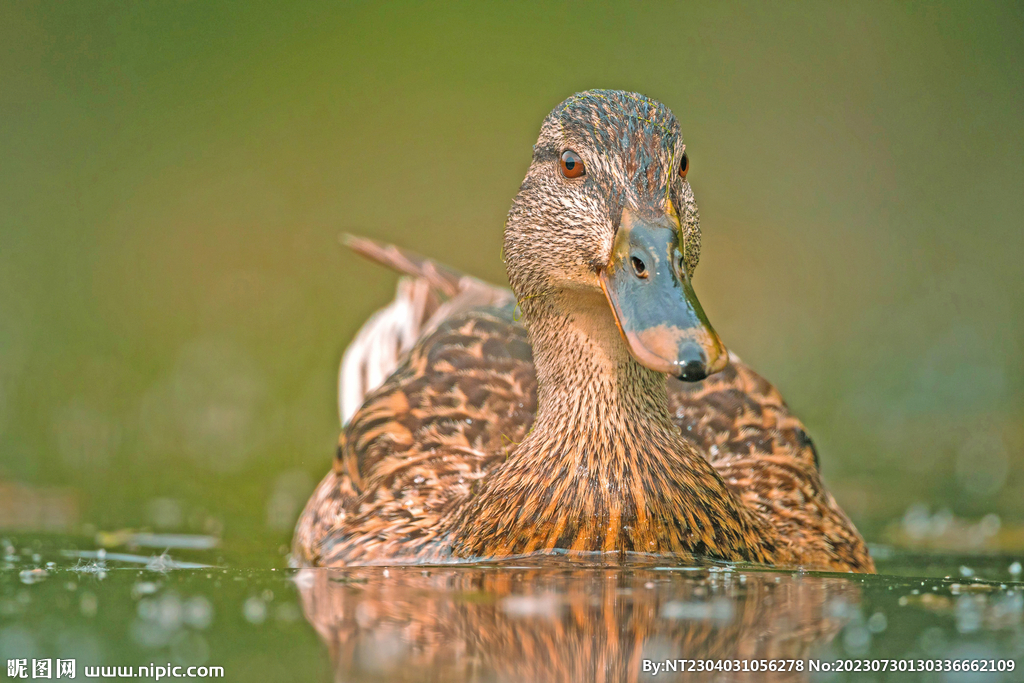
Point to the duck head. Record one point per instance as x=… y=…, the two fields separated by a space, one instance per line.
x=606 y=210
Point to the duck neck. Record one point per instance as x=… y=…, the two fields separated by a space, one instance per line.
x=603 y=467
x=590 y=388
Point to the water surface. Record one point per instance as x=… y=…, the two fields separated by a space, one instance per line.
x=535 y=620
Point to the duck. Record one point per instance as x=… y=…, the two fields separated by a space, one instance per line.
x=590 y=410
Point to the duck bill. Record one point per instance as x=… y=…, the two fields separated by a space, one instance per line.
x=654 y=304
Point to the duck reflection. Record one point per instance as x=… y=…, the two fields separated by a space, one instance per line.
x=542 y=623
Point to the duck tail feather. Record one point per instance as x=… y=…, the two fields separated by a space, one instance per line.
x=446 y=280
x=427 y=295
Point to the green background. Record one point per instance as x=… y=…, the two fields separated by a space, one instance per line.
x=174 y=176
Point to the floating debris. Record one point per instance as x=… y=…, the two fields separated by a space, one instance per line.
x=30 y=576
x=97 y=569
x=157 y=563
x=138 y=539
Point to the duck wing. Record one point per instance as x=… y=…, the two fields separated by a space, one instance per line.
x=764 y=454
x=435 y=390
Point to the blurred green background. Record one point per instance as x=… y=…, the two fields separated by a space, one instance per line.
x=174 y=176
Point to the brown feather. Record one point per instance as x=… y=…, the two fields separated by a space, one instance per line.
x=423 y=443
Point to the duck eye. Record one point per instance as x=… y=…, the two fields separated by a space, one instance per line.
x=684 y=166
x=572 y=165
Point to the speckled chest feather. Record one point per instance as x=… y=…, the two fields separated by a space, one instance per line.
x=430 y=469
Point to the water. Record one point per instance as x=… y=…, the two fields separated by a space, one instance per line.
x=173 y=305
x=537 y=620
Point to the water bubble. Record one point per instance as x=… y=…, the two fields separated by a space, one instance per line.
x=877 y=622
x=198 y=612
x=31 y=576
x=839 y=608
x=144 y=588
x=1015 y=569
x=254 y=610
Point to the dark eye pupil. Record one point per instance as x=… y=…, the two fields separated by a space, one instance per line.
x=572 y=165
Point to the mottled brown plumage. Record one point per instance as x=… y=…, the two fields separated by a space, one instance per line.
x=509 y=430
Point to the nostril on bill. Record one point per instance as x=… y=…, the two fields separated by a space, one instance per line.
x=639 y=267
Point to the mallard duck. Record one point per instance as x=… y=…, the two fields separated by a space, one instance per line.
x=591 y=411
